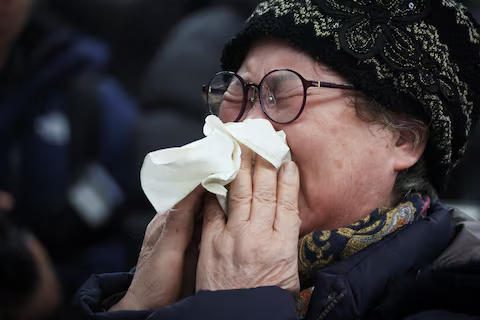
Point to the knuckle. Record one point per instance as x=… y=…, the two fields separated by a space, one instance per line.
x=239 y=198
x=264 y=195
x=289 y=205
x=245 y=170
x=288 y=184
x=236 y=228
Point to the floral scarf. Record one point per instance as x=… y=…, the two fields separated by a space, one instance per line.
x=318 y=250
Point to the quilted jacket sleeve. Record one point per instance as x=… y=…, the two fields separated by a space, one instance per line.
x=259 y=303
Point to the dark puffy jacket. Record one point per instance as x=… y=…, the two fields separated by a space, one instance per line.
x=65 y=128
x=429 y=270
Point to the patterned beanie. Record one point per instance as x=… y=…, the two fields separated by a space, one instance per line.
x=419 y=57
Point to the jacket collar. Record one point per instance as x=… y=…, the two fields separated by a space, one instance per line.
x=465 y=248
x=352 y=287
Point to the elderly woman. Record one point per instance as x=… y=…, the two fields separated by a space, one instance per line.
x=377 y=100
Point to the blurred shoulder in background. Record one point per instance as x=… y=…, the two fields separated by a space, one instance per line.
x=65 y=134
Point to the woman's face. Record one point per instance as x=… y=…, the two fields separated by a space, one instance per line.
x=347 y=166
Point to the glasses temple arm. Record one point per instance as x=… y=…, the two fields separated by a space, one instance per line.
x=321 y=84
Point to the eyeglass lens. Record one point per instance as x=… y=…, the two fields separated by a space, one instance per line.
x=282 y=96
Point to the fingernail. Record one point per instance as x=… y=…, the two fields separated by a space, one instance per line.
x=290 y=168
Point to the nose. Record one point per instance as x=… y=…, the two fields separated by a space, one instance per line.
x=253 y=109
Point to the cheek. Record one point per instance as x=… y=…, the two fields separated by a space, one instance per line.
x=313 y=142
x=303 y=148
x=308 y=152
x=229 y=112
x=334 y=156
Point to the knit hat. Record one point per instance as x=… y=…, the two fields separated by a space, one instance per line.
x=419 y=57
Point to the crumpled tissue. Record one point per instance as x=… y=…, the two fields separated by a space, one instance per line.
x=169 y=175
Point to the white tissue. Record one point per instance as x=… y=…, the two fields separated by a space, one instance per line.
x=167 y=176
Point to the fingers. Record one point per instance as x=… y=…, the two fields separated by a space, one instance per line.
x=240 y=191
x=264 y=200
x=214 y=220
x=287 y=217
x=178 y=227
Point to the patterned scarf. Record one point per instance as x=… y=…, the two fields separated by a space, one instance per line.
x=318 y=250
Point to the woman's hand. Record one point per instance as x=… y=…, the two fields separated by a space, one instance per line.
x=160 y=278
x=257 y=245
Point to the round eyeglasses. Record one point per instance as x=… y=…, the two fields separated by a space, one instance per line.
x=282 y=94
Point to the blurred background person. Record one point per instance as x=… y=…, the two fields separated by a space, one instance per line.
x=136 y=29
x=29 y=288
x=65 y=133
x=162 y=52
x=73 y=139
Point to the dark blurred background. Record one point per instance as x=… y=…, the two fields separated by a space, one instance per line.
x=87 y=89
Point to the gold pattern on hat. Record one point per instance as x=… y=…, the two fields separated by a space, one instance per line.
x=400 y=56
x=462 y=18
